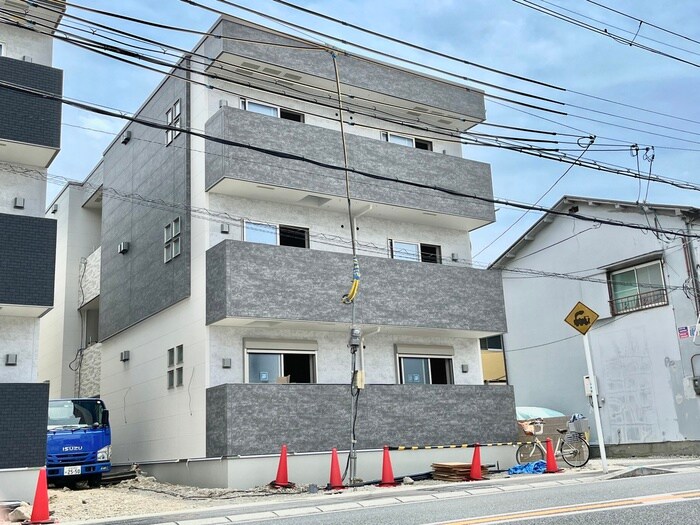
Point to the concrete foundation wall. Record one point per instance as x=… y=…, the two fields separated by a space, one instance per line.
x=258 y=419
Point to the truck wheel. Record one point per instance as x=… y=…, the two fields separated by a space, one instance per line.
x=94 y=481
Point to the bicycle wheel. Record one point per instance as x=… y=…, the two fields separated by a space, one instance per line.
x=575 y=452
x=528 y=452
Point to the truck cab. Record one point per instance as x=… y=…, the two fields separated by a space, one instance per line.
x=78 y=444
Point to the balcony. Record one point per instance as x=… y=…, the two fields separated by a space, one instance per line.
x=240 y=171
x=249 y=284
x=640 y=301
x=31 y=125
x=258 y=56
x=27 y=260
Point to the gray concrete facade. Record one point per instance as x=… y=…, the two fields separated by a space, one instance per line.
x=275 y=282
x=354 y=71
x=24 y=412
x=26 y=117
x=27 y=259
x=257 y=419
x=137 y=284
x=365 y=155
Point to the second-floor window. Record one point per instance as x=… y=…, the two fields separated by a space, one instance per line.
x=173 y=119
x=637 y=288
x=282 y=235
x=413 y=251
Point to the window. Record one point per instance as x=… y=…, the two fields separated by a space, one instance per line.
x=404 y=140
x=172 y=118
x=495 y=342
x=172 y=240
x=637 y=288
x=425 y=365
x=493 y=362
x=280 y=361
x=426 y=370
x=282 y=235
x=175 y=370
x=411 y=251
x=271 y=111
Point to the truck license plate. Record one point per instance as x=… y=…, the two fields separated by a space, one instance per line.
x=71 y=471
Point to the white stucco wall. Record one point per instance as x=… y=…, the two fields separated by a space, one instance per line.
x=27 y=186
x=19 y=335
x=643 y=371
x=20 y=43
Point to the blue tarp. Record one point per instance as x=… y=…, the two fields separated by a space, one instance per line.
x=536 y=467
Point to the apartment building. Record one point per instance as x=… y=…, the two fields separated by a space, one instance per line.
x=30 y=137
x=645 y=288
x=211 y=308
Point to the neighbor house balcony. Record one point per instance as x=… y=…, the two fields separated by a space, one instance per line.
x=252 y=284
x=30 y=132
x=253 y=173
x=27 y=260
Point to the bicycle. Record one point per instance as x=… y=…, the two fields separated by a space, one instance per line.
x=573 y=448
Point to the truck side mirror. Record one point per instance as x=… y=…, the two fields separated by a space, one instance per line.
x=105 y=417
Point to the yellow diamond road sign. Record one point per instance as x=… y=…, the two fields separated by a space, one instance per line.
x=581 y=318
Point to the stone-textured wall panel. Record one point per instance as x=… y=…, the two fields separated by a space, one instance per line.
x=24 y=409
x=275 y=282
x=138 y=284
x=27 y=260
x=365 y=155
x=257 y=419
x=355 y=72
x=26 y=117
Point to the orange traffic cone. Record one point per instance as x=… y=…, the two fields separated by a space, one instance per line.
x=40 y=506
x=387 y=471
x=336 y=481
x=282 y=480
x=475 y=470
x=552 y=466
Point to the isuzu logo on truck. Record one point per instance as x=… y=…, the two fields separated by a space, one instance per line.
x=72 y=449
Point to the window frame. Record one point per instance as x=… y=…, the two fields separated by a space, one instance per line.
x=277 y=227
x=280 y=353
x=246 y=101
x=175 y=359
x=639 y=297
x=401 y=372
x=172 y=240
x=419 y=245
x=173 y=118
x=387 y=135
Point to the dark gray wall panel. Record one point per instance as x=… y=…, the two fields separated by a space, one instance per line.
x=24 y=409
x=27 y=260
x=138 y=284
x=365 y=154
x=274 y=282
x=257 y=419
x=25 y=117
x=363 y=74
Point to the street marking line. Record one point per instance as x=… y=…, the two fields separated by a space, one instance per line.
x=655 y=499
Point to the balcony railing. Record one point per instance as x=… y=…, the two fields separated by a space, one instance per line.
x=640 y=301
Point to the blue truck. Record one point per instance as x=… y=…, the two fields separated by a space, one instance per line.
x=79 y=442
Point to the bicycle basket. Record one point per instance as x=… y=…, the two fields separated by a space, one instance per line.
x=580 y=426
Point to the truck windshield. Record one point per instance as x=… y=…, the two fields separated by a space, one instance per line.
x=75 y=413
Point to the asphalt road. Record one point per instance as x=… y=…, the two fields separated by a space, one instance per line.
x=655 y=499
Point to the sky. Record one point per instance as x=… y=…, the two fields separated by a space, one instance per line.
x=621 y=94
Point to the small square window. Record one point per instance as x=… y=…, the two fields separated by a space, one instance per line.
x=171 y=356
x=168 y=252
x=176 y=108
x=168 y=232
x=171 y=378
x=176 y=247
x=180 y=353
x=176 y=227
x=178 y=376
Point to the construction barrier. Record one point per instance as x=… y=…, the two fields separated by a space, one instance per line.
x=463 y=445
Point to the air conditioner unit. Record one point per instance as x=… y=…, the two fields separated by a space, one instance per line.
x=123 y=247
x=124 y=356
x=10 y=359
